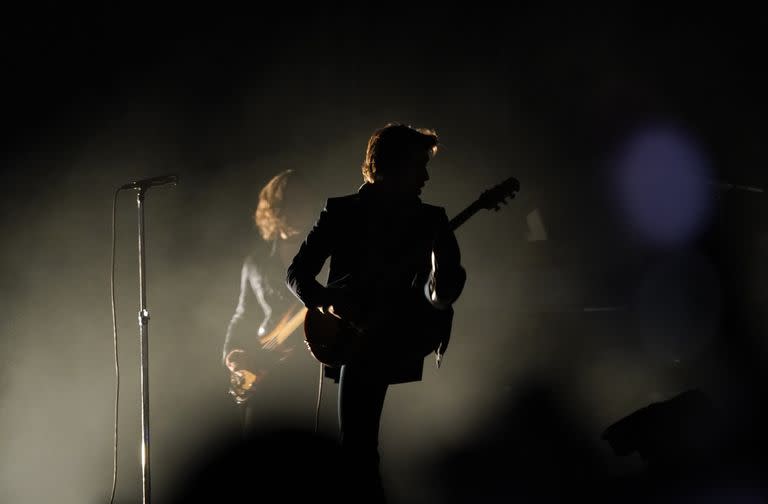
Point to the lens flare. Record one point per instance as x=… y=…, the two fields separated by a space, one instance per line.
x=663 y=185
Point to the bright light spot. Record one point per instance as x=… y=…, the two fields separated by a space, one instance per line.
x=663 y=185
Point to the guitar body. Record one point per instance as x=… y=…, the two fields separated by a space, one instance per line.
x=415 y=331
x=242 y=382
x=326 y=337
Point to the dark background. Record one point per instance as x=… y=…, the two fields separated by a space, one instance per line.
x=554 y=339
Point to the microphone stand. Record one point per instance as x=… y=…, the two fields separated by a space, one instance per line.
x=144 y=346
x=141 y=186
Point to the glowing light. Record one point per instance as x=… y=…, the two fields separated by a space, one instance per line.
x=663 y=185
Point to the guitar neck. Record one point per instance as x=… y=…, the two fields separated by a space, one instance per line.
x=464 y=216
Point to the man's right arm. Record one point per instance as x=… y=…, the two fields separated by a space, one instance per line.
x=306 y=265
x=447 y=277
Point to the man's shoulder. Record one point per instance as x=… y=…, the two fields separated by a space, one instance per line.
x=350 y=202
x=340 y=202
x=433 y=208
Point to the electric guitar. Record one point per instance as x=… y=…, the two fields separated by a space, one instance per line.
x=243 y=381
x=333 y=340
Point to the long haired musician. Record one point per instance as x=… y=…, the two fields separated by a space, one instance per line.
x=270 y=373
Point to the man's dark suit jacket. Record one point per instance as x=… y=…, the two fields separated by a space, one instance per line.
x=378 y=246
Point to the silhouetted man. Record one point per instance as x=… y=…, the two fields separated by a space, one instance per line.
x=389 y=253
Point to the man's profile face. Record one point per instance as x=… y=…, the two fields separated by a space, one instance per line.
x=410 y=175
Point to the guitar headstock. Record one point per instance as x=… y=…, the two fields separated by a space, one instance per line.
x=491 y=198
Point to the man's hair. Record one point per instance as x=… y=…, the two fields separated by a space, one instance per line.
x=389 y=145
x=271 y=216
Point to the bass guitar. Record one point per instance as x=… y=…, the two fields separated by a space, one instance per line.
x=242 y=381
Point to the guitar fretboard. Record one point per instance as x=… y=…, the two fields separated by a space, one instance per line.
x=464 y=215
